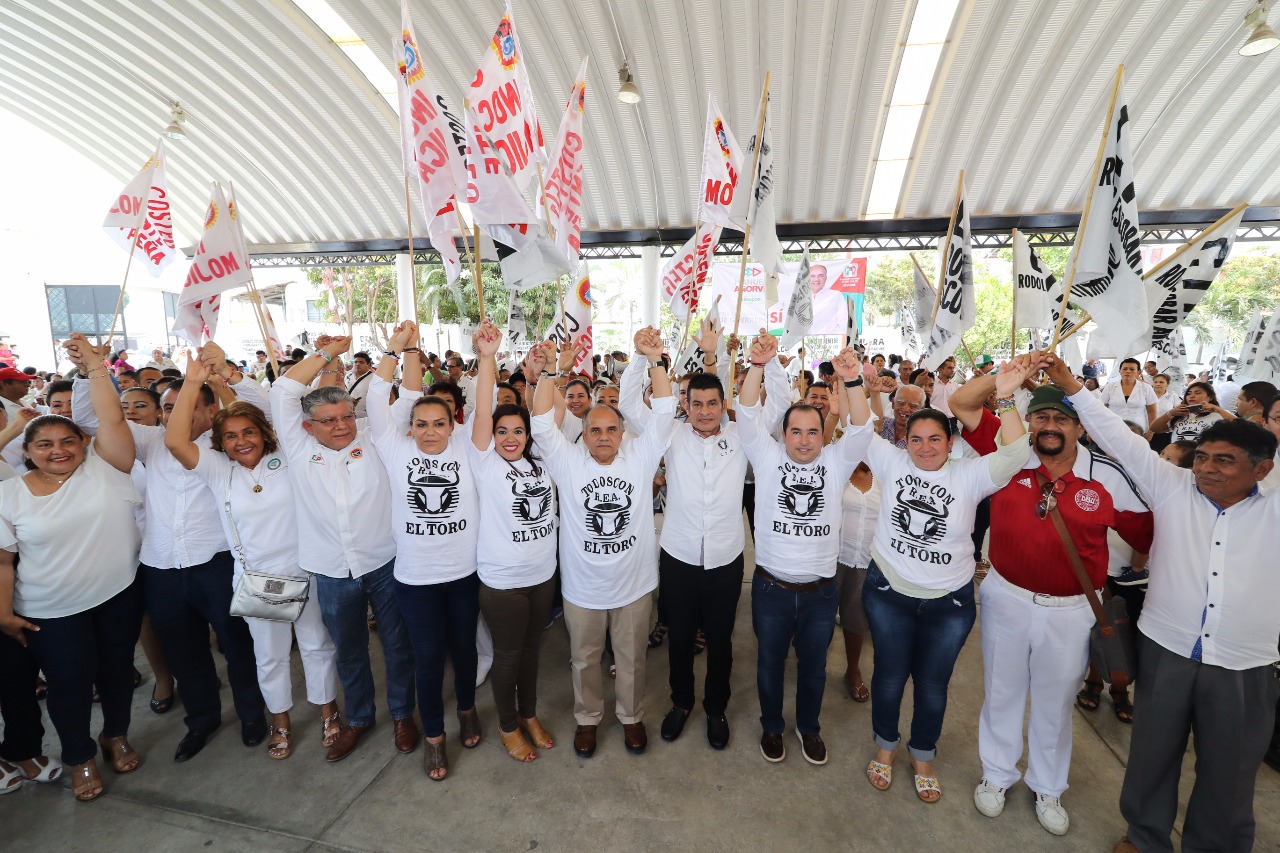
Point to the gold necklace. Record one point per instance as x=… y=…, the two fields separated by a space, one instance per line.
x=49 y=479
x=257 y=487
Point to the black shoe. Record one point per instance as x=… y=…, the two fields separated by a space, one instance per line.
x=254 y=733
x=813 y=748
x=673 y=722
x=717 y=731
x=191 y=745
x=772 y=747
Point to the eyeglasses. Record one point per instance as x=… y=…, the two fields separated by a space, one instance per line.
x=330 y=422
x=1049 y=498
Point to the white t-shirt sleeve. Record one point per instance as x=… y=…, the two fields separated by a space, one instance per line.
x=631 y=397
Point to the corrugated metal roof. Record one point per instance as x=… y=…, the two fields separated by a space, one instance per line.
x=1017 y=101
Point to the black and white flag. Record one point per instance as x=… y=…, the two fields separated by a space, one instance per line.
x=957 y=309
x=800 y=310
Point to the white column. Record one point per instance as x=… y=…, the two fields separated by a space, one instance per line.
x=650 y=256
x=406 y=297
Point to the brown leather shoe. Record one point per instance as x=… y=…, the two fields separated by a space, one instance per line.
x=635 y=737
x=346 y=742
x=584 y=741
x=407 y=736
x=1125 y=846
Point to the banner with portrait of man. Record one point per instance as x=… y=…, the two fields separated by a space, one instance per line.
x=833 y=283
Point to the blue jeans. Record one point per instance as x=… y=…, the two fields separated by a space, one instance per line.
x=918 y=638
x=441 y=618
x=781 y=617
x=344 y=606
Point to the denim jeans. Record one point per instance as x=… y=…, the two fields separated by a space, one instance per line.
x=441 y=619
x=19 y=710
x=780 y=618
x=918 y=638
x=78 y=651
x=344 y=606
x=184 y=604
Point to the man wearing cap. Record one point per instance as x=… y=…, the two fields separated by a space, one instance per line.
x=1035 y=618
x=14 y=385
x=985 y=364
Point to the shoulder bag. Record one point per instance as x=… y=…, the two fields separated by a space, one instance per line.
x=259 y=595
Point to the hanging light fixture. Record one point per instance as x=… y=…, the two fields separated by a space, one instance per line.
x=628 y=92
x=174 y=129
x=1261 y=37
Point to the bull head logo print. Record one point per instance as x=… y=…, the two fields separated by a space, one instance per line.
x=433 y=494
x=608 y=518
x=533 y=500
x=801 y=495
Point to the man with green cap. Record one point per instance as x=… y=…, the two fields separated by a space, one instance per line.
x=985 y=364
x=1035 y=617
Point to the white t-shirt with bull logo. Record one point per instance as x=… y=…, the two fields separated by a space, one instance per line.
x=798 y=507
x=434 y=506
x=518 y=516
x=608 y=547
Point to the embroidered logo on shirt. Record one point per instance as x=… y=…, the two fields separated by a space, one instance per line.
x=356 y=453
x=1025 y=481
x=317 y=459
x=801 y=496
x=1088 y=500
x=273 y=464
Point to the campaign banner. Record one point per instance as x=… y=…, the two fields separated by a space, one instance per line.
x=832 y=282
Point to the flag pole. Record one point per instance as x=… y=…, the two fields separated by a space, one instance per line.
x=475 y=265
x=546 y=208
x=746 y=239
x=133 y=245
x=919 y=332
x=969 y=355
x=413 y=273
x=1058 y=337
x=1013 y=341
x=255 y=299
x=1196 y=239
x=946 y=248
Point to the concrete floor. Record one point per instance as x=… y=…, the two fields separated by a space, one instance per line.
x=677 y=796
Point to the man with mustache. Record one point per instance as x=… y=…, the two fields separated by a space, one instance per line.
x=1035 y=618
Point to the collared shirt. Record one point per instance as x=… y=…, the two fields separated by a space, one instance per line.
x=861 y=511
x=263 y=519
x=1131 y=408
x=1097 y=495
x=887 y=431
x=705 y=474
x=940 y=397
x=343 y=496
x=1214 y=587
x=12 y=452
x=358 y=388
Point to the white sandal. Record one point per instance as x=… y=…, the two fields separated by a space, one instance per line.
x=50 y=770
x=11 y=777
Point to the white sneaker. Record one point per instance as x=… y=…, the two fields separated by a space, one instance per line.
x=988 y=799
x=1051 y=814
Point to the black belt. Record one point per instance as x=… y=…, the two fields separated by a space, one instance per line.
x=811 y=586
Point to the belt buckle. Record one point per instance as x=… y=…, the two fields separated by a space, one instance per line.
x=1036 y=596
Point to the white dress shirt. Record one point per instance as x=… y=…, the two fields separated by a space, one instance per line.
x=702 y=523
x=263 y=519
x=1214 y=587
x=343 y=496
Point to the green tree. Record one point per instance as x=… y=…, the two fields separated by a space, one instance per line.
x=1248 y=281
x=891 y=283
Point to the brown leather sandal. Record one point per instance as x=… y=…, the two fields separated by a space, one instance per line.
x=123 y=757
x=533 y=730
x=330 y=728
x=435 y=758
x=279 y=744
x=517 y=747
x=469 y=727
x=86 y=784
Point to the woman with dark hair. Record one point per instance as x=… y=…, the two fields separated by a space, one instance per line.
x=247 y=473
x=918 y=594
x=449 y=390
x=517 y=554
x=77 y=603
x=1199 y=410
x=1131 y=398
x=434 y=511
x=119 y=362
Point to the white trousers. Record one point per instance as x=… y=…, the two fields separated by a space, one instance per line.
x=272 y=645
x=1029 y=648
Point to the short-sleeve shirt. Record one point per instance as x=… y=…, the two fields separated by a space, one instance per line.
x=518 y=517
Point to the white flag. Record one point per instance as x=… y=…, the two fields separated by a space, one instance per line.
x=909 y=333
x=721 y=169
x=1033 y=282
x=957 y=309
x=220 y=262
x=503 y=101
x=198 y=321
x=1174 y=288
x=690 y=360
x=517 y=335
x=924 y=296
x=1266 y=364
x=754 y=205
x=1171 y=359
x=1057 y=293
x=577 y=316
x=851 y=321
x=496 y=203
x=800 y=310
x=1249 y=347
x=686 y=272
x=441 y=232
x=563 y=189
x=1108 y=270
x=152 y=242
x=537 y=263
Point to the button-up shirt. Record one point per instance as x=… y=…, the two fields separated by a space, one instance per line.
x=343 y=496
x=703 y=518
x=1214 y=587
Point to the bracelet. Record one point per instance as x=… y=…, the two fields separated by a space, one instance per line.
x=854 y=383
x=390 y=354
x=410 y=349
x=1005 y=402
x=335 y=370
x=759 y=363
x=92 y=374
x=327 y=358
x=548 y=374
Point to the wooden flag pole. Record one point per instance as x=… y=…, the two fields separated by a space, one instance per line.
x=1194 y=240
x=746 y=241
x=1013 y=340
x=969 y=355
x=413 y=273
x=475 y=265
x=546 y=208
x=1088 y=204
x=946 y=249
x=133 y=245
x=260 y=311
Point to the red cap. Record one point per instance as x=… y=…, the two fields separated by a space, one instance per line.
x=8 y=374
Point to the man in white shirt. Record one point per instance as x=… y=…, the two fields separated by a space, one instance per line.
x=1207 y=632
x=160 y=361
x=944 y=387
x=358 y=380
x=608 y=547
x=344 y=523
x=700 y=565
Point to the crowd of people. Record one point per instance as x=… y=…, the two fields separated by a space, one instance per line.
x=157 y=506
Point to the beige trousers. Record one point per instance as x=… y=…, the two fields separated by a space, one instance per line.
x=629 y=628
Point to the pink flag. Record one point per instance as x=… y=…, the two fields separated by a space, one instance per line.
x=564 y=185
x=503 y=102
x=140 y=219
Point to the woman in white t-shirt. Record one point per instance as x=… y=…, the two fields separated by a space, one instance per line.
x=434 y=518
x=516 y=559
x=249 y=477
x=860 y=505
x=1165 y=399
x=1131 y=399
x=68 y=574
x=918 y=594
x=1198 y=411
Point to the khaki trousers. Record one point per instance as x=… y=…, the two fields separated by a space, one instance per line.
x=629 y=628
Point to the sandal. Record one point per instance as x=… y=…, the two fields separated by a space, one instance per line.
x=435 y=758
x=927 y=789
x=330 y=728
x=1123 y=707
x=879 y=775
x=123 y=757
x=469 y=728
x=86 y=784
x=279 y=744
x=857 y=690
x=42 y=688
x=50 y=769
x=699 y=642
x=1090 y=697
x=533 y=730
x=11 y=777
x=517 y=747
x=161 y=706
x=657 y=635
